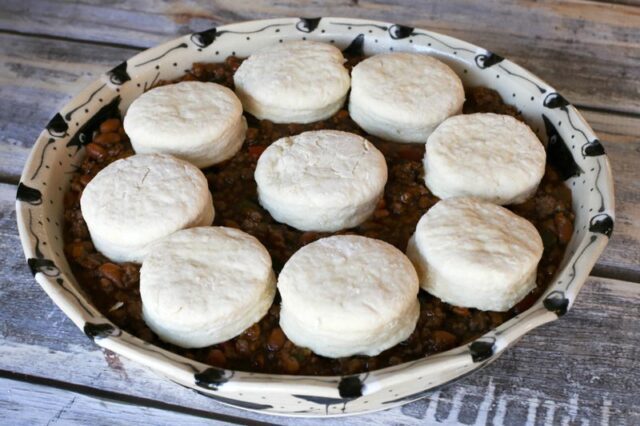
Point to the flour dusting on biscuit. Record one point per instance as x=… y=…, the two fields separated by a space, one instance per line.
x=348 y=295
x=403 y=97
x=198 y=122
x=489 y=156
x=323 y=180
x=206 y=285
x=475 y=254
x=135 y=201
x=293 y=82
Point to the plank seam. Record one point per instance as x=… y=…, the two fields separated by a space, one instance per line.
x=72 y=40
x=126 y=399
x=9 y=180
x=608 y=110
x=615 y=273
x=586 y=107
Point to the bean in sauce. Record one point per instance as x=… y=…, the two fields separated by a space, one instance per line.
x=263 y=347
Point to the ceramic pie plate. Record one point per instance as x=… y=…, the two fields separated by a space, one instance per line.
x=572 y=145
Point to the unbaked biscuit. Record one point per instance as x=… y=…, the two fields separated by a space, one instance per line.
x=489 y=156
x=475 y=254
x=135 y=201
x=206 y=285
x=323 y=180
x=348 y=295
x=198 y=122
x=403 y=97
x=293 y=82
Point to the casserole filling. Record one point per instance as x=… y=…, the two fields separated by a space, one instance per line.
x=263 y=347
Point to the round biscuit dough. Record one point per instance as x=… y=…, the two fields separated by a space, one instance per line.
x=206 y=285
x=346 y=295
x=403 y=97
x=293 y=82
x=198 y=122
x=137 y=200
x=323 y=180
x=475 y=254
x=489 y=156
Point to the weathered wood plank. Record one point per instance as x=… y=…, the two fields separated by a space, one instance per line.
x=584 y=367
x=589 y=50
x=23 y=403
x=621 y=138
x=36 y=79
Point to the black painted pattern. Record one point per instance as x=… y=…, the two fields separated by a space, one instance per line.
x=29 y=195
x=149 y=347
x=398 y=32
x=351 y=386
x=601 y=224
x=555 y=100
x=438 y=40
x=57 y=126
x=556 y=302
x=237 y=402
x=541 y=89
x=573 y=271
x=597 y=186
x=44 y=266
x=558 y=154
x=100 y=331
x=157 y=58
x=482 y=349
x=68 y=115
x=307 y=25
x=356 y=47
x=593 y=148
x=50 y=142
x=206 y=38
x=212 y=378
x=85 y=133
x=118 y=75
x=324 y=401
x=487 y=59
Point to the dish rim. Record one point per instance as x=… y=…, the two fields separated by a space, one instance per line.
x=58 y=281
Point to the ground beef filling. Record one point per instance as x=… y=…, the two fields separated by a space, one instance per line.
x=263 y=347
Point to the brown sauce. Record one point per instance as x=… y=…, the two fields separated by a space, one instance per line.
x=114 y=288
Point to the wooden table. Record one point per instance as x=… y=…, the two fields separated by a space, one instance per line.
x=583 y=369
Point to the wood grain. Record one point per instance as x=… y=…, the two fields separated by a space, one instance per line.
x=585 y=366
x=588 y=50
x=37 y=79
x=621 y=138
x=31 y=404
x=582 y=369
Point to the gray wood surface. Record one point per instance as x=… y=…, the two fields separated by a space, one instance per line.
x=32 y=404
x=585 y=366
x=583 y=369
x=584 y=48
x=36 y=73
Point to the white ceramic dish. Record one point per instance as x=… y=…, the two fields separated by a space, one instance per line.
x=573 y=148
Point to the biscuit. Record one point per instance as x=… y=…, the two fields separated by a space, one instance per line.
x=489 y=156
x=206 y=285
x=135 y=201
x=323 y=180
x=293 y=82
x=403 y=97
x=348 y=295
x=198 y=122
x=475 y=254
